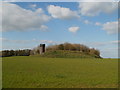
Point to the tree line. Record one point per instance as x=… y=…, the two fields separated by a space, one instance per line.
x=7 y=53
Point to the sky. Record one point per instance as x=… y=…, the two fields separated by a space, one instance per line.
x=27 y=24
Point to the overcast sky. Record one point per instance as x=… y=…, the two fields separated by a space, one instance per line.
x=95 y=24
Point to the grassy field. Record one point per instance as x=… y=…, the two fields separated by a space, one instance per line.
x=40 y=72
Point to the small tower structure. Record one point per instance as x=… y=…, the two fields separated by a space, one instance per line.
x=42 y=48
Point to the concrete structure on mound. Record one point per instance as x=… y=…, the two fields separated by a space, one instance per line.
x=42 y=48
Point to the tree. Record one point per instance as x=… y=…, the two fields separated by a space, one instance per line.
x=61 y=47
x=94 y=52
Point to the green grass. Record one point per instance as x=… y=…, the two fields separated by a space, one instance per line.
x=67 y=54
x=40 y=72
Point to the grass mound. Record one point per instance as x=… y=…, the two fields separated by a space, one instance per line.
x=68 y=54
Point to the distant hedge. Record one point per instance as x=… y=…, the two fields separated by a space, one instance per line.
x=7 y=53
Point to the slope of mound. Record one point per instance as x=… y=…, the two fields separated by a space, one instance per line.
x=68 y=54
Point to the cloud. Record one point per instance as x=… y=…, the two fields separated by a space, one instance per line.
x=43 y=28
x=39 y=11
x=61 y=12
x=2 y=39
x=111 y=27
x=109 y=52
x=33 y=6
x=20 y=19
x=99 y=44
x=98 y=24
x=95 y=8
x=48 y=41
x=87 y=22
x=6 y=40
x=115 y=42
x=74 y=29
x=23 y=44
